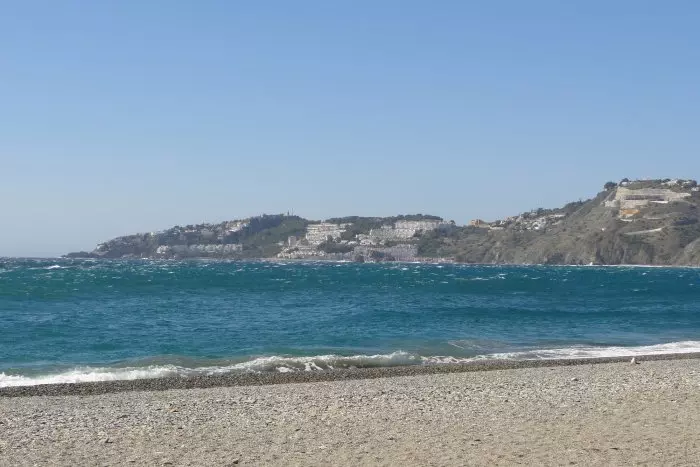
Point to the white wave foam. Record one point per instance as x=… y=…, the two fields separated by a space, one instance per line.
x=331 y=362
x=324 y=362
x=577 y=352
x=257 y=365
x=87 y=375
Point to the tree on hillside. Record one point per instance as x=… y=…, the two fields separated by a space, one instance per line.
x=610 y=186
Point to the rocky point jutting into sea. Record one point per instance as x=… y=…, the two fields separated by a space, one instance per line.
x=651 y=222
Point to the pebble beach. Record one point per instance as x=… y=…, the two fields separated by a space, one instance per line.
x=607 y=413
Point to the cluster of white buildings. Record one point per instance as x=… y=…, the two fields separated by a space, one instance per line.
x=542 y=222
x=199 y=249
x=400 y=231
x=527 y=221
x=319 y=233
x=682 y=183
x=301 y=252
x=235 y=226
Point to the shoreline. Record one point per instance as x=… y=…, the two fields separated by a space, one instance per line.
x=276 y=378
x=422 y=260
x=598 y=415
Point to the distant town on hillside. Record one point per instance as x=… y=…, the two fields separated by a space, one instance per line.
x=651 y=221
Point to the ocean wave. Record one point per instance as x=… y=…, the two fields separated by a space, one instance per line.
x=88 y=375
x=578 y=352
x=257 y=365
x=284 y=364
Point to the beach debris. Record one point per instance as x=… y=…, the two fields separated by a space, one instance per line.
x=107 y=441
x=235 y=461
x=634 y=361
x=574 y=379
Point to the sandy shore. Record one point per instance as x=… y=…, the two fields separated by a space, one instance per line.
x=602 y=414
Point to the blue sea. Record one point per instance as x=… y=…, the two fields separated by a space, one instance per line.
x=91 y=320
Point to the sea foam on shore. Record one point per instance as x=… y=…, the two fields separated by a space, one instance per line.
x=576 y=413
x=321 y=363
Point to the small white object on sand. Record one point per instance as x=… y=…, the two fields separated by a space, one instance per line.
x=634 y=361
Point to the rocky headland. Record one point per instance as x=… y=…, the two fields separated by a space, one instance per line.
x=652 y=222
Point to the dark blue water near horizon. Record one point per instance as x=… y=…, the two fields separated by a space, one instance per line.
x=85 y=320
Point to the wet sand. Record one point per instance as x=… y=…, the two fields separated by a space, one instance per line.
x=582 y=414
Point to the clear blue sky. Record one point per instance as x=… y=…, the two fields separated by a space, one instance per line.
x=128 y=116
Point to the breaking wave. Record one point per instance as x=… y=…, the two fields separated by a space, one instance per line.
x=332 y=362
x=579 y=352
x=257 y=365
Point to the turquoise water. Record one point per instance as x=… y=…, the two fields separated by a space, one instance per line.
x=86 y=320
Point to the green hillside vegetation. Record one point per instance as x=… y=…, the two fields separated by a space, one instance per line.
x=261 y=238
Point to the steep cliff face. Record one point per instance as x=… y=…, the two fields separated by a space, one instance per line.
x=690 y=254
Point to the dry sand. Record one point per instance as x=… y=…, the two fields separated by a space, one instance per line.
x=601 y=414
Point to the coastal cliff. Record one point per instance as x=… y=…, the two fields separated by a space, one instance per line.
x=631 y=222
x=642 y=222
